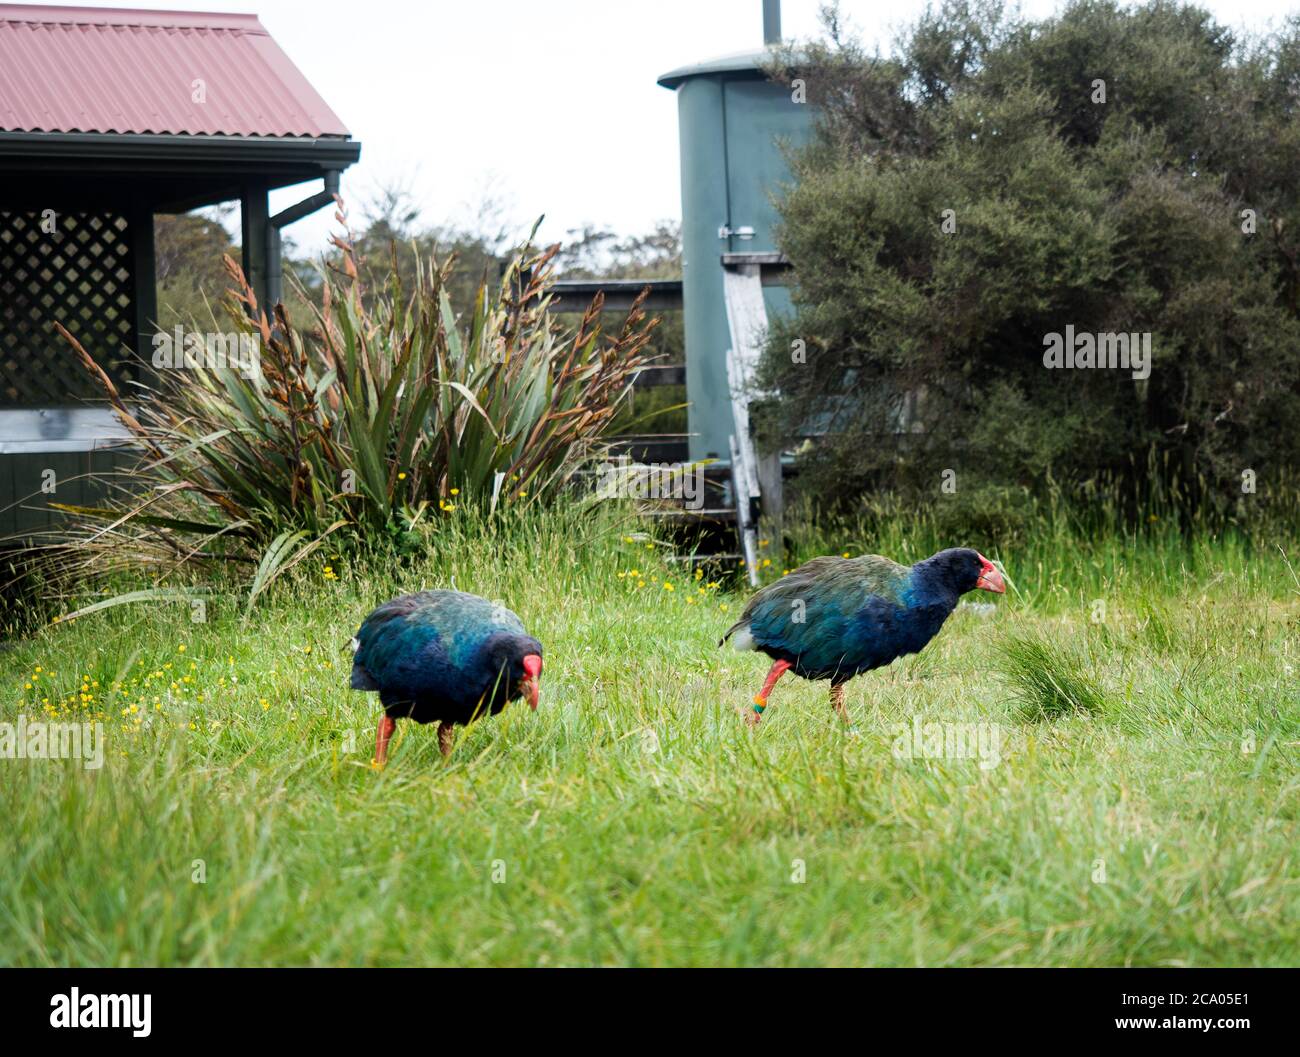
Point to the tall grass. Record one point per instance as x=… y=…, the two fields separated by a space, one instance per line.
x=1067 y=546
x=633 y=820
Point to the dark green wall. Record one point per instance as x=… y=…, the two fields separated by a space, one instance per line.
x=21 y=475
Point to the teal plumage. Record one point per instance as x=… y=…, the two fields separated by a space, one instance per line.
x=441 y=655
x=834 y=618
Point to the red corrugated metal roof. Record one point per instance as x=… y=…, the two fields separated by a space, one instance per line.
x=84 y=69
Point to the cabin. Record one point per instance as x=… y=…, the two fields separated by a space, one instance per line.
x=109 y=118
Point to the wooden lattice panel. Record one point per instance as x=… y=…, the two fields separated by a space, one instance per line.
x=79 y=274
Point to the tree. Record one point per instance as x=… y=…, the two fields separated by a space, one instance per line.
x=593 y=253
x=996 y=181
x=187 y=252
x=394 y=233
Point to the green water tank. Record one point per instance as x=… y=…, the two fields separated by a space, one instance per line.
x=732 y=122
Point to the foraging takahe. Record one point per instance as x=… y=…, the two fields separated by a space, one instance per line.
x=445 y=656
x=834 y=618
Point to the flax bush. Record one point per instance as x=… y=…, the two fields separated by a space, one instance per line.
x=374 y=421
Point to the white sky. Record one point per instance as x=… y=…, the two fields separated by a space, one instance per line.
x=529 y=100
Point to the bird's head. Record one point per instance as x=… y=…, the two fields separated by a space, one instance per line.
x=530 y=684
x=964 y=570
x=990 y=578
x=519 y=660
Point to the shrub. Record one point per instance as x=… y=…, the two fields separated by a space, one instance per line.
x=972 y=194
x=386 y=412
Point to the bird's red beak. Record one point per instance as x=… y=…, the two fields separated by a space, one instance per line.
x=532 y=678
x=990 y=579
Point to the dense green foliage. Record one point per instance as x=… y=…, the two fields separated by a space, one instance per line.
x=925 y=340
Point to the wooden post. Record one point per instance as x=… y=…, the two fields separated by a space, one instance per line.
x=253 y=223
x=274 y=266
x=144 y=280
x=771 y=519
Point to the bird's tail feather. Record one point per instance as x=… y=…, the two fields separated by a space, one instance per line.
x=744 y=641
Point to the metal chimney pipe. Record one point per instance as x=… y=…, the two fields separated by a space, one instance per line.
x=771 y=21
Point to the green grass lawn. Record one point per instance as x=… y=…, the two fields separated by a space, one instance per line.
x=633 y=820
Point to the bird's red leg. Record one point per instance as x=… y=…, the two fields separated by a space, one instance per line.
x=778 y=669
x=387 y=724
x=446 y=738
x=837 y=701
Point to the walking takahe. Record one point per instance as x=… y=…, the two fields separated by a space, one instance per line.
x=445 y=656
x=834 y=618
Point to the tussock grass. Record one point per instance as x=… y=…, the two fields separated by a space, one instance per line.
x=632 y=820
x=1051 y=681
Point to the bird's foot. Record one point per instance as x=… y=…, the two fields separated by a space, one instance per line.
x=382 y=736
x=754 y=714
x=837 y=703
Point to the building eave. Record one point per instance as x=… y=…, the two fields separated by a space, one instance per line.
x=135 y=152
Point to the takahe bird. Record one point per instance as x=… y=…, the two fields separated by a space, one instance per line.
x=445 y=656
x=834 y=618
